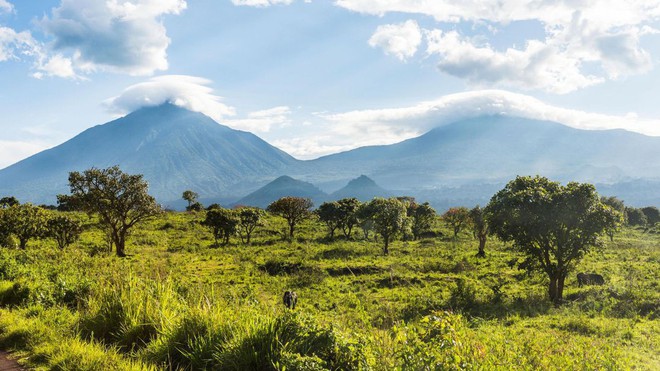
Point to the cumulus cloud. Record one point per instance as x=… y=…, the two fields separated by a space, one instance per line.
x=189 y=92
x=260 y=3
x=606 y=33
x=400 y=40
x=262 y=121
x=6 y=7
x=112 y=35
x=391 y=125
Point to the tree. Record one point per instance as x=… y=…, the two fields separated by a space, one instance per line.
x=222 y=222
x=293 y=209
x=331 y=215
x=249 y=218
x=64 y=230
x=554 y=225
x=422 y=216
x=635 y=217
x=618 y=205
x=652 y=215
x=348 y=208
x=191 y=197
x=480 y=229
x=9 y=201
x=389 y=216
x=456 y=218
x=364 y=215
x=24 y=221
x=121 y=201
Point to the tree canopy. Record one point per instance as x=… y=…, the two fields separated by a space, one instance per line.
x=553 y=225
x=293 y=209
x=121 y=200
x=390 y=218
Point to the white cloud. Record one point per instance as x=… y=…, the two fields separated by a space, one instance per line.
x=13 y=151
x=605 y=33
x=113 y=35
x=262 y=121
x=400 y=40
x=260 y=3
x=6 y=7
x=392 y=125
x=189 y=92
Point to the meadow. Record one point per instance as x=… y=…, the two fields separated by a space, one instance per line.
x=178 y=301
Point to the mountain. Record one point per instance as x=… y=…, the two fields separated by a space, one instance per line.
x=363 y=188
x=174 y=148
x=494 y=149
x=282 y=187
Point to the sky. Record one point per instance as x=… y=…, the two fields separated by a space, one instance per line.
x=315 y=77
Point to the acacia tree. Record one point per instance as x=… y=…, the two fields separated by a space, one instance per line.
x=222 y=222
x=293 y=209
x=331 y=215
x=191 y=197
x=422 y=218
x=553 y=225
x=24 y=221
x=619 y=206
x=456 y=218
x=8 y=201
x=249 y=218
x=121 y=201
x=389 y=216
x=480 y=229
x=64 y=230
x=348 y=208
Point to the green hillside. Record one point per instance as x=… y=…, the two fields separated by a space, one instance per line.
x=179 y=302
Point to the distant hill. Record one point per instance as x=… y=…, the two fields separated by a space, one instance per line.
x=363 y=188
x=282 y=187
x=494 y=149
x=174 y=148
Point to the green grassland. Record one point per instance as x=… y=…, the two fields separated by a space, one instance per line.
x=179 y=302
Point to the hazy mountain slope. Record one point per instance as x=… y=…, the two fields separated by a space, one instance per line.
x=174 y=148
x=363 y=188
x=282 y=187
x=496 y=148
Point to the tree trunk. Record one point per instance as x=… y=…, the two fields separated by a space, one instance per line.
x=120 y=244
x=560 y=288
x=552 y=289
x=386 y=249
x=291 y=227
x=482 y=245
x=22 y=243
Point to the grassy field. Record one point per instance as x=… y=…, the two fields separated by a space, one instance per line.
x=178 y=302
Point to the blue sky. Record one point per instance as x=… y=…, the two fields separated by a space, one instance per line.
x=316 y=77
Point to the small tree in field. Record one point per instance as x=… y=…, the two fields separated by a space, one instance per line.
x=652 y=215
x=635 y=217
x=422 y=218
x=222 y=222
x=348 y=208
x=480 y=229
x=191 y=197
x=456 y=218
x=249 y=218
x=389 y=216
x=8 y=201
x=25 y=222
x=554 y=225
x=121 y=201
x=364 y=215
x=331 y=215
x=293 y=209
x=64 y=230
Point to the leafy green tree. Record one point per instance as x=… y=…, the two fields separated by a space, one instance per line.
x=223 y=224
x=348 y=208
x=249 y=218
x=331 y=215
x=422 y=218
x=25 y=221
x=191 y=197
x=652 y=215
x=64 y=230
x=553 y=225
x=390 y=217
x=635 y=217
x=9 y=201
x=293 y=209
x=619 y=206
x=480 y=229
x=456 y=218
x=121 y=201
x=364 y=215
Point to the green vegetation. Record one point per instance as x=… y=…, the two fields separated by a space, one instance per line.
x=177 y=302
